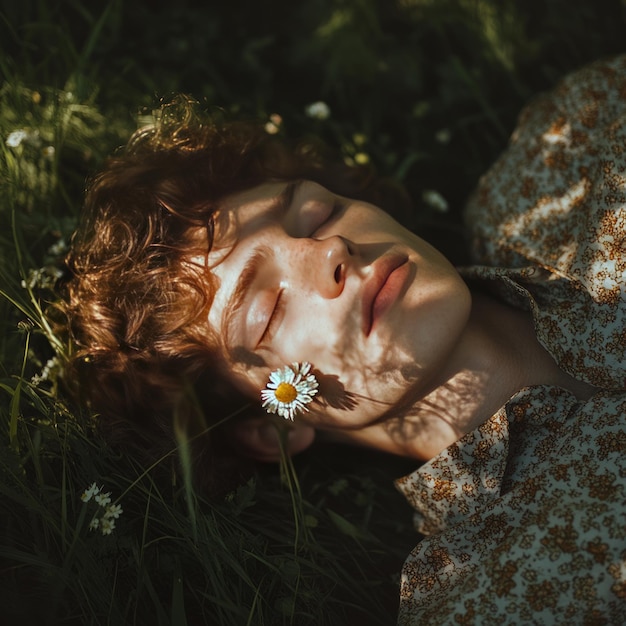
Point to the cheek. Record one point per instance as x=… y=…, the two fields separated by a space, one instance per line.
x=352 y=405
x=349 y=372
x=312 y=332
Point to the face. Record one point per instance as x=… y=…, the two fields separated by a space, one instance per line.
x=306 y=275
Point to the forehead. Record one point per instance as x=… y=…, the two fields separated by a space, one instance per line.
x=240 y=208
x=234 y=213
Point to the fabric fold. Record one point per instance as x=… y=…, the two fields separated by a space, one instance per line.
x=461 y=480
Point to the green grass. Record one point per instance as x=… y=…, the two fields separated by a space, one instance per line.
x=427 y=90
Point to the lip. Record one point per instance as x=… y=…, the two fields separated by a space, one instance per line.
x=383 y=288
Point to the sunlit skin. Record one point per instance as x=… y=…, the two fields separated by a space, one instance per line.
x=407 y=360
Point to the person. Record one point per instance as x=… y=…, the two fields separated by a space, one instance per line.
x=217 y=275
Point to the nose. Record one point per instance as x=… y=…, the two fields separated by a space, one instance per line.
x=324 y=264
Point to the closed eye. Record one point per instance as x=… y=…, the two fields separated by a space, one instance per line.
x=336 y=207
x=274 y=320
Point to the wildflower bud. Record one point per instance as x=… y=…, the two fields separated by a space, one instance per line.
x=318 y=110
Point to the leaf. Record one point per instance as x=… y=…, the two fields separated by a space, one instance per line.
x=346 y=527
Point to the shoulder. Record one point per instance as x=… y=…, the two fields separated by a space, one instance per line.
x=557 y=195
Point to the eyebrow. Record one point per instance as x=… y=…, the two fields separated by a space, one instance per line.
x=277 y=209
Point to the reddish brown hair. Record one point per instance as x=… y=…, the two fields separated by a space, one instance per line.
x=136 y=307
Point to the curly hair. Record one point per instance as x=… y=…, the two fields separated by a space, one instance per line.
x=137 y=308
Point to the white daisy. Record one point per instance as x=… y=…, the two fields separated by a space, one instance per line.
x=16 y=138
x=289 y=390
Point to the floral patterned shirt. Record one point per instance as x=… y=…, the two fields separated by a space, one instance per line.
x=525 y=518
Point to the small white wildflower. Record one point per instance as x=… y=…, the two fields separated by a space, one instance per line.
x=58 y=248
x=435 y=200
x=50 y=366
x=105 y=521
x=289 y=390
x=90 y=492
x=48 y=153
x=103 y=499
x=49 y=371
x=318 y=110
x=16 y=138
x=31 y=281
x=113 y=511
x=42 y=278
x=107 y=525
x=23 y=136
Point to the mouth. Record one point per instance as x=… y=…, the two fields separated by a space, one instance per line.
x=383 y=288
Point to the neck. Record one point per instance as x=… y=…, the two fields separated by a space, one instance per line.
x=498 y=355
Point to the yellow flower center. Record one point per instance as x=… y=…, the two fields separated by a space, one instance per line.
x=286 y=392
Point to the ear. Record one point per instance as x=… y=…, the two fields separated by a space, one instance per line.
x=259 y=437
